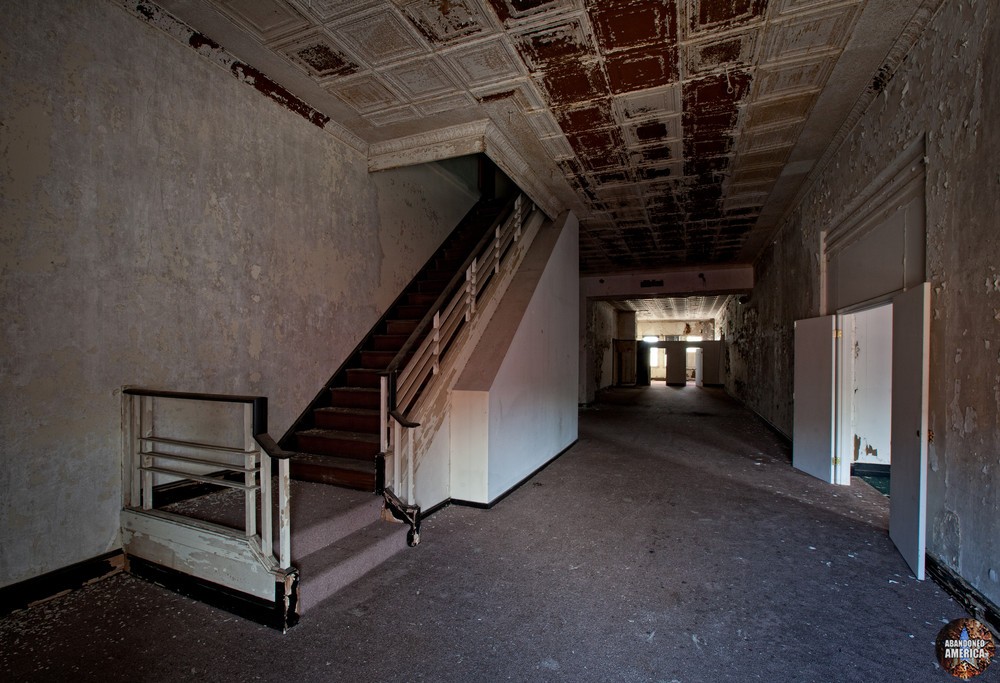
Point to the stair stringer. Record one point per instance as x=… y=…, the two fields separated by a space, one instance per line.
x=418 y=471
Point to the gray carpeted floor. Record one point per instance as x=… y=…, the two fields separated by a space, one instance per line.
x=673 y=542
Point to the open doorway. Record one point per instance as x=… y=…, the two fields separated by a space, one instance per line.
x=864 y=397
x=821 y=412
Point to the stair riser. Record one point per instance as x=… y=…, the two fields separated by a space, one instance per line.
x=401 y=326
x=435 y=286
x=411 y=312
x=308 y=539
x=419 y=299
x=367 y=380
x=354 y=399
x=345 y=448
x=389 y=342
x=362 y=481
x=367 y=424
x=376 y=360
x=321 y=583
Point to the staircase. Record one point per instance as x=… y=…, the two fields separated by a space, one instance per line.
x=336 y=440
x=258 y=567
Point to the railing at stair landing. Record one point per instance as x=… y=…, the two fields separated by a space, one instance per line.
x=418 y=361
x=255 y=564
x=247 y=561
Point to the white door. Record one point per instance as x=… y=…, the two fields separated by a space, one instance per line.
x=910 y=390
x=699 y=368
x=812 y=436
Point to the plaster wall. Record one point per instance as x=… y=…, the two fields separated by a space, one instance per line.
x=946 y=91
x=625 y=325
x=533 y=408
x=514 y=407
x=164 y=225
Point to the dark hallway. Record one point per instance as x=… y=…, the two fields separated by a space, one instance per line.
x=673 y=542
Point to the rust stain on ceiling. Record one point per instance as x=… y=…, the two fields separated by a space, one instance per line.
x=665 y=124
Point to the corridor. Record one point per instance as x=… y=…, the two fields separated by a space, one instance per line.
x=673 y=542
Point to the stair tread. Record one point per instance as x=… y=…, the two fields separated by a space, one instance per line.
x=321 y=514
x=333 y=567
x=358 y=540
x=367 y=412
x=335 y=434
x=334 y=462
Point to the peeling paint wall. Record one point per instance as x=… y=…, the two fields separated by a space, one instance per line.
x=948 y=90
x=602 y=323
x=165 y=225
x=759 y=334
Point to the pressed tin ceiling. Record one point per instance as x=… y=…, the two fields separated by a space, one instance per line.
x=674 y=308
x=678 y=130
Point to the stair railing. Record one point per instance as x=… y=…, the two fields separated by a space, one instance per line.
x=148 y=452
x=418 y=361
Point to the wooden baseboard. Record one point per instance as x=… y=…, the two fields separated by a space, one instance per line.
x=978 y=605
x=39 y=589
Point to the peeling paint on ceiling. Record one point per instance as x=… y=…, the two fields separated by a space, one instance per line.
x=666 y=124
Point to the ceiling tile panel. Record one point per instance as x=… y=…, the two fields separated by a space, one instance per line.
x=639 y=23
x=722 y=15
x=516 y=12
x=443 y=23
x=421 y=79
x=575 y=82
x=648 y=103
x=268 y=20
x=366 y=94
x=548 y=46
x=592 y=115
x=785 y=78
x=318 y=55
x=808 y=34
x=783 y=136
x=784 y=110
x=327 y=10
x=487 y=62
x=379 y=37
x=653 y=132
x=730 y=52
x=641 y=68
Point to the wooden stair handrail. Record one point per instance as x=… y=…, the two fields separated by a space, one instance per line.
x=259 y=412
x=449 y=290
